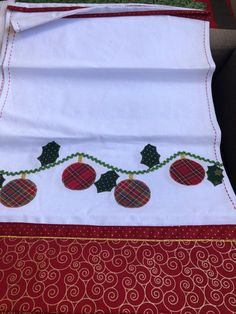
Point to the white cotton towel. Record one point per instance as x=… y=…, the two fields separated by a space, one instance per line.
x=108 y=87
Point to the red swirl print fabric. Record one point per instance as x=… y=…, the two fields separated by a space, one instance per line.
x=46 y=274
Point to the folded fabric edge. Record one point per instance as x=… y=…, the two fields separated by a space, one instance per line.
x=179 y=3
x=3 y=6
x=39 y=16
x=121 y=233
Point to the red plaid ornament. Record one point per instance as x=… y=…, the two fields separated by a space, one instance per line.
x=78 y=176
x=17 y=193
x=132 y=193
x=187 y=172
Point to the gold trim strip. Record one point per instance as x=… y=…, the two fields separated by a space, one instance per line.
x=116 y=239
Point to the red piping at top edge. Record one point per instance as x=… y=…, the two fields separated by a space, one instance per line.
x=45 y=9
x=202 y=15
x=140 y=13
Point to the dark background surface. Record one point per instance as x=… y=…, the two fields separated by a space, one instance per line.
x=224 y=97
x=224 y=82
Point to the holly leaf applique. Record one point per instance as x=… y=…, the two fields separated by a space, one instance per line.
x=50 y=153
x=2 y=179
x=215 y=175
x=107 y=181
x=150 y=156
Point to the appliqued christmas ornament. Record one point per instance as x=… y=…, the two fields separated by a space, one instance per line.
x=132 y=193
x=107 y=181
x=78 y=176
x=187 y=172
x=49 y=154
x=150 y=156
x=129 y=193
x=18 y=192
x=215 y=175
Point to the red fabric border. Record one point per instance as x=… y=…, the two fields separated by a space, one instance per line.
x=202 y=15
x=221 y=232
x=118 y=277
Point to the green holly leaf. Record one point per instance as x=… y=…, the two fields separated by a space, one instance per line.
x=50 y=153
x=215 y=175
x=2 y=179
x=107 y=181
x=150 y=156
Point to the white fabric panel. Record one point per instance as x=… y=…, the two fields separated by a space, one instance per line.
x=108 y=87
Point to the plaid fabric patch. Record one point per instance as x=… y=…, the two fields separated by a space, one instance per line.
x=187 y=172
x=18 y=193
x=132 y=193
x=78 y=176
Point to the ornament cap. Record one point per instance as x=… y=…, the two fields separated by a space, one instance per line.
x=80 y=158
x=131 y=176
x=182 y=156
x=23 y=176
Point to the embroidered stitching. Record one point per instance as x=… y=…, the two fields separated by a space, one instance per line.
x=2 y=65
x=9 y=75
x=206 y=86
x=210 y=114
x=18 y=25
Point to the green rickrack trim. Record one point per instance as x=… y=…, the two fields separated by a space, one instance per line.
x=108 y=166
x=178 y=3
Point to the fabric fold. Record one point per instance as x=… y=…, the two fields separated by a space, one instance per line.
x=39 y=16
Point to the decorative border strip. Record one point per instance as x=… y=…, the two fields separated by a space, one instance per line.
x=109 y=166
x=223 y=233
x=178 y=3
x=120 y=240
